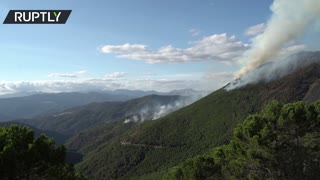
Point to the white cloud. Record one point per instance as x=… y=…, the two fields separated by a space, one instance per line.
x=64 y=75
x=56 y=86
x=220 y=75
x=195 y=32
x=98 y=84
x=255 y=30
x=68 y=75
x=115 y=75
x=217 y=47
x=150 y=74
x=81 y=72
x=125 y=48
x=121 y=80
x=112 y=81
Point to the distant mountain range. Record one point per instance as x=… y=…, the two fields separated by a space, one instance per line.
x=42 y=104
x=73 y=120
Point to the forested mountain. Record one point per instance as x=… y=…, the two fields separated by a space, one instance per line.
x=280 y=142
x=149 y=149
x=73 y=120
x=119 y=142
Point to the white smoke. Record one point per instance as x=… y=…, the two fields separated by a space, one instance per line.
x=134 y=119
x=276 y=69
x=289 y=21
x=166 y=109
x=159 y=111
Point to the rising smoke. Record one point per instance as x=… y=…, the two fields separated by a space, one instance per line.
x=289 y=21
x=166 y=109
x=158 y=111
x=277 y=69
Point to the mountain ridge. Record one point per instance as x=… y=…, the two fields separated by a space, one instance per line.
x=193 y=129
x=76 y=119
x=35 y=104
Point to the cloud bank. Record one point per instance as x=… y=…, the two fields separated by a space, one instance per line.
x=217 y=47
x=115 y=75
x=90 y=85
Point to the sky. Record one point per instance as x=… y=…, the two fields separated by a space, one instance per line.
x=124 y=44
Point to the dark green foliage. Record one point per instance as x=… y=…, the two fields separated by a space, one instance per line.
x=195 y=129
x=183 y=134
x=58 y=137
x=91 y=138
x=120 y=161
x=23 y=157
x=281 y=142
x=199 y=167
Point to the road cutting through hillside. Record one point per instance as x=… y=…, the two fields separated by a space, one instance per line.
x=141 y=145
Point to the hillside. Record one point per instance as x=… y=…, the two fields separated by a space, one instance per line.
x=89 y=139
x=194 y=129
x=73 y=120
x=280 y=142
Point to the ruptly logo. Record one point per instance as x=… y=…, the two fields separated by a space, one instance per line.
x=37 y=17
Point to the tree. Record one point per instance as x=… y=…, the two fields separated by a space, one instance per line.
x=280 y=142
x=24 y=157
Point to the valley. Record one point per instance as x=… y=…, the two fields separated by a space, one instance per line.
x=161 y=90
x=121 y=139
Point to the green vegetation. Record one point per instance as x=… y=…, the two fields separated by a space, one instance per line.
x=188 y=132
x=281 y=142
x=201 y=141
x=59 y=139
x=23 y=157
x=183 y=134
x=91 y=138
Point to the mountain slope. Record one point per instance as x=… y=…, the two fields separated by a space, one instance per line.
x=280 y=142
x=76 y=119
x=194 y=129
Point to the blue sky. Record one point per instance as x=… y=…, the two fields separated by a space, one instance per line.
x=91 y=49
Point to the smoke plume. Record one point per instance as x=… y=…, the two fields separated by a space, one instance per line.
x=276 y=70
x=153 y=112
x=289 y=21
